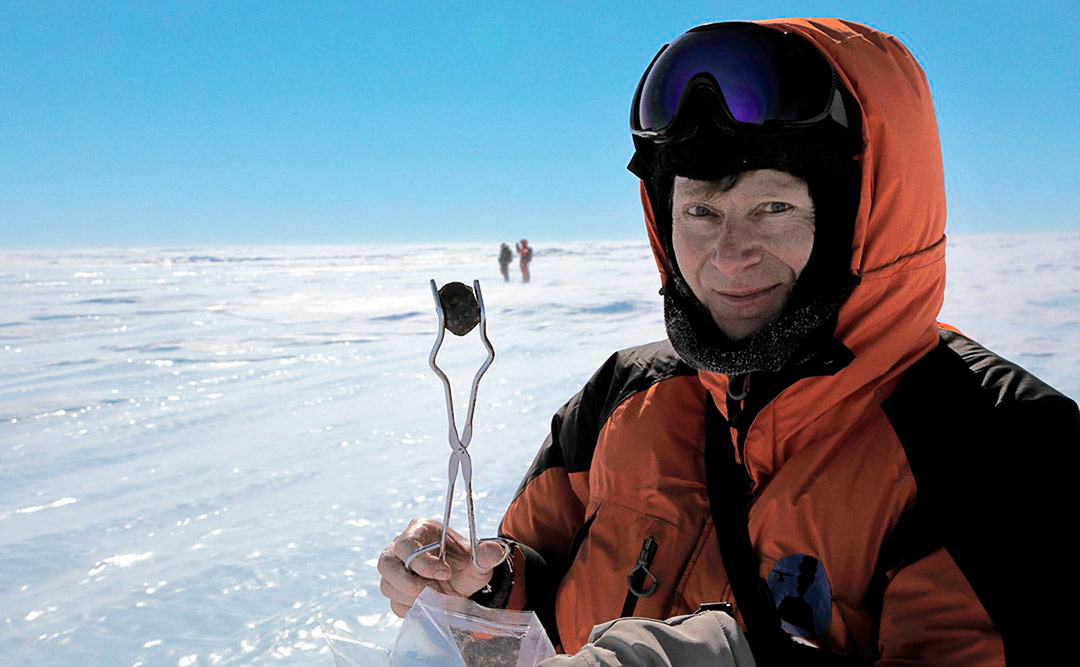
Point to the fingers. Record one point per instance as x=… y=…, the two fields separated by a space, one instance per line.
x=490 y=553
x=399 y=609
x=420 y=533
x=455 y=574
x=424 y=563
x=469 y=577
x=397 y=584
x=400 y=585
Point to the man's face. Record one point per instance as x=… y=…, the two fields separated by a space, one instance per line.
x=742 y=249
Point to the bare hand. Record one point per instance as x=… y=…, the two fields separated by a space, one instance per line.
x=454 y=575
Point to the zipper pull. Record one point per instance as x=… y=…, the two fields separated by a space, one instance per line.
x=637 y=577
x=738 y=388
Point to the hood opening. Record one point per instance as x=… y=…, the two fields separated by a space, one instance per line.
x=827 y=158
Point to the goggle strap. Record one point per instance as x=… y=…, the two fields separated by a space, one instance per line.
x=836 y=108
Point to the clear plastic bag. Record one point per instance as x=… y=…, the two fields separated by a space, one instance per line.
x=443 y=630
x=351 y=651
x=446 y=631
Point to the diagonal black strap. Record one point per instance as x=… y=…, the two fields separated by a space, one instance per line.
x=729 y=485
x=729 y=495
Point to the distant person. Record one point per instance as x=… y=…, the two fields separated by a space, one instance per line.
x=866 y=485
x=525 y=253
x=504 y=261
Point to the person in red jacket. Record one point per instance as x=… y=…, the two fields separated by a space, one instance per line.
x=525 y=254
x=861 y=483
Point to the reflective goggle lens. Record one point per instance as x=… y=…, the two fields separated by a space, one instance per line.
x=764 y=76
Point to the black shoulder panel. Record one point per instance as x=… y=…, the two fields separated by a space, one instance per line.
x=576 y=426
x=995 y=454
x=1004 y=380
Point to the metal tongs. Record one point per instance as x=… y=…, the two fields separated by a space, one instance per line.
x=460 y=309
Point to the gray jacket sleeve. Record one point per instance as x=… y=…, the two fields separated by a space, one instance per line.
x=705 y=638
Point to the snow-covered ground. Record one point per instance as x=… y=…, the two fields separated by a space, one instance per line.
x=203 y=450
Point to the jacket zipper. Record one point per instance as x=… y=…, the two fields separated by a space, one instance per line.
x=735 y=400
x=641 y=583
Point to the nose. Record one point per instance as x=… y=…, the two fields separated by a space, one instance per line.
x=736 y=247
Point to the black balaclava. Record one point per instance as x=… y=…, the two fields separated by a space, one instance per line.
x=826 y=157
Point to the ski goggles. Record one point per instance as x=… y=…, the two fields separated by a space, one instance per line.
x=764 y=79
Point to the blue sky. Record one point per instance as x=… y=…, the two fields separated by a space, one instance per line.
x=196 y=123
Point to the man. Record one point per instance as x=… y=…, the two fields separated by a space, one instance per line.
x=525 y=254
x=864 y=484
x=504 y=261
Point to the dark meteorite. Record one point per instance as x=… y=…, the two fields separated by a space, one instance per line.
x=479 y=650
x=460 y=308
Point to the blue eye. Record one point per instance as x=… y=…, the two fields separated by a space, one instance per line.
x=777 y=207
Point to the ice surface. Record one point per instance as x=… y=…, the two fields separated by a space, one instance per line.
x=202 y=451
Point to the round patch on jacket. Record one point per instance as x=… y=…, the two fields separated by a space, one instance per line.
x=802 y=595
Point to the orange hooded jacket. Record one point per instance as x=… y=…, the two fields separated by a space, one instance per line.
x=830 y=453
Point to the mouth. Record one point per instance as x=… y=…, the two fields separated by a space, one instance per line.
x=745 y=297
